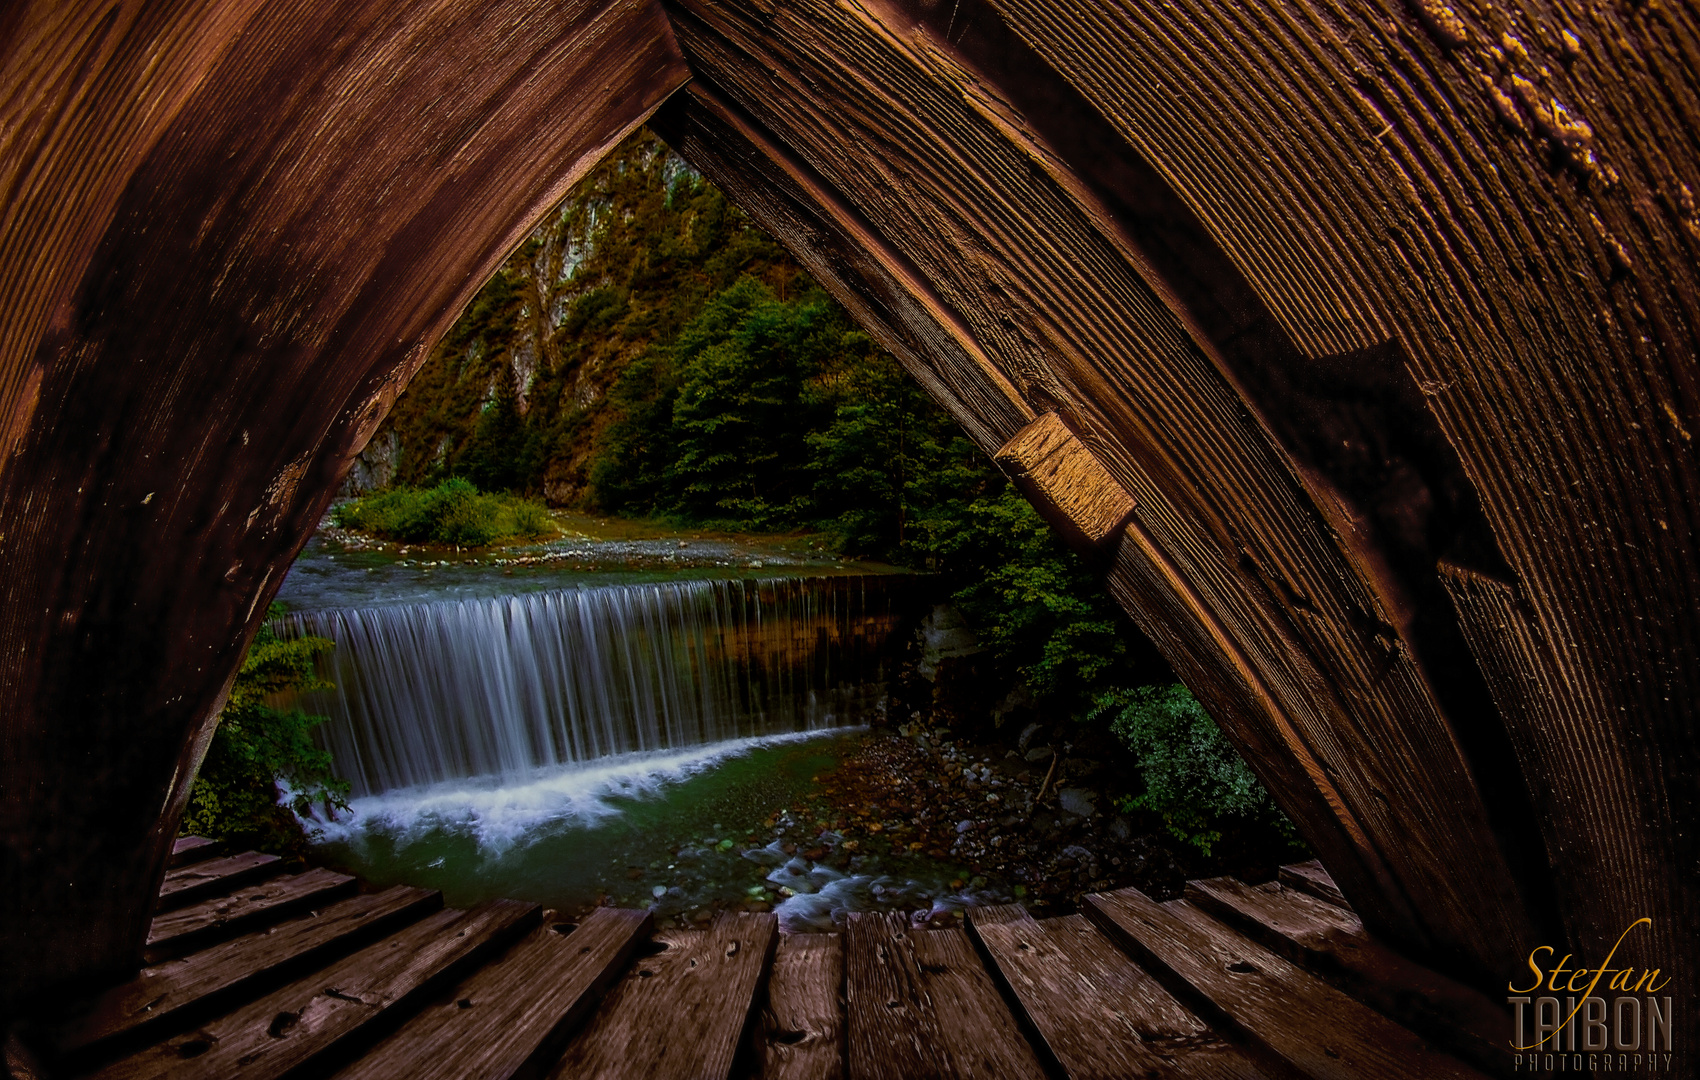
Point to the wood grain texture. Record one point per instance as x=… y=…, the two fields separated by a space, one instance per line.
x=189 y=987
x=1071 y=310
x=1332 y=942
x=214 y=878
x=981 y=1036
x=1061 y=477
x=292 y=1028
x=802 y=1021
x=682 y=1012
x=1500 y=191
x=294 y=202
x=1312 y=877
x=921 y=1004
x=1100 y=1015
x=892 y=1026
x=198 y=925
x=510 y=1017
x=1313 y=1027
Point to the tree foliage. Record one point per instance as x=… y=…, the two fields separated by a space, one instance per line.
x=517 y=392
x=1193 y=778
x=236 y=796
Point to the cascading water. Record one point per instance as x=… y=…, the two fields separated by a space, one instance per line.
x=508 y=686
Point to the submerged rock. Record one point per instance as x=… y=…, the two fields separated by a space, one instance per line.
x=1078 y=801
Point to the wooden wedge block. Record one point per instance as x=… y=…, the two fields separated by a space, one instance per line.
x=1307 y=1023
x=1311 y=878
x=1066 y=480
x=199 y=925
x=1101 y=1016
x=296 y=1027
x=680 y=1013
x=511 y=1016
x=188 y=849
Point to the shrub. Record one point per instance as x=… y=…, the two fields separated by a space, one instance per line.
x=531 y=519
x=1033 y=602
x=258 y=747
x=453 y=512
x=1193 y=778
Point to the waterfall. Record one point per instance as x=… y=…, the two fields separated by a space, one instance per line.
x=509 y=685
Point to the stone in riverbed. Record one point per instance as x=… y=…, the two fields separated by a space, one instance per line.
x=1078 y=801
x=1028 y=735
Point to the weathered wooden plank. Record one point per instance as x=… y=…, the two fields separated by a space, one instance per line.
x=921 y=1004
x=802 y=1022
x=1332 y=941
x=981 y=1036
x=213 y=978
x=214 y=877
x=198 y=925
x=1101 y=1016
x=291 y=1027
x=1066 y=479
x=511 y=1017
x=892 y=1027
x=1299 y=1018
x=1310 y=877
x=188 y=849
x=682 y=1012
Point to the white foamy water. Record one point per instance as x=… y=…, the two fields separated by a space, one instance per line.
x=499 y=813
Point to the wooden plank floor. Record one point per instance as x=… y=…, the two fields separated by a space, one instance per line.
x=1243 y=982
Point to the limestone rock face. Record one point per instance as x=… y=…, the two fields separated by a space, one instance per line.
x=1356 y=343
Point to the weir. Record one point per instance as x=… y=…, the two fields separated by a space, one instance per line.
x=505 y=686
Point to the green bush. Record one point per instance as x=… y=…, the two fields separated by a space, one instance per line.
x=453 y=512
x=257 y=747
x=1193 y=778
x=1031 y=600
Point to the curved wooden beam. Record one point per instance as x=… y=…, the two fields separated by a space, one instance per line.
x=232 y=232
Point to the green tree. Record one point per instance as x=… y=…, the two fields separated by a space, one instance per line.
x=1194 y=779
x=236 y=796
x=1032 y=601
x=744 y=408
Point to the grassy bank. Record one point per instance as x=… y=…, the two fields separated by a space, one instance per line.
x=453 y=512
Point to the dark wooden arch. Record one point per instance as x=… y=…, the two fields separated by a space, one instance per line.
x=1354 y=340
